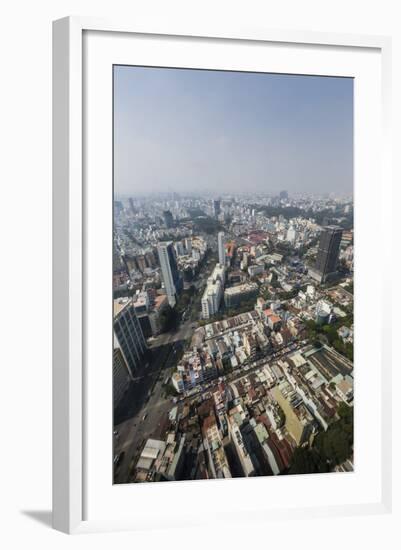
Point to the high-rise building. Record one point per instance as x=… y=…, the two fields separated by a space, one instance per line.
x=328 y=252
x=179 y=248
x=216 y=208
x=221 y=247
x=213 y=293
x=118 y=208
x=128 y=334
x=283 y=195
x=188 y=245
x=131 y=204
x=121 y=376
x=168 y=219
x=171 y=277
x=291 y=234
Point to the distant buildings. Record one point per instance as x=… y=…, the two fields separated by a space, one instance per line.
x=171 y=277
x=328 y=253
x=128 y=333
x=250 y=387
x=221 y=248
x=188 y=246
x=216 y=208
x=131 y=205
x=118 y=208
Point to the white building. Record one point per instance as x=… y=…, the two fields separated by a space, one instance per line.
x=310 y=290
x=213 y=293
x=169 y=269
x=323 y=311
x=244 y=261
x=179 y=248
x=188 y=246
x=221 y=247
x=291 y=234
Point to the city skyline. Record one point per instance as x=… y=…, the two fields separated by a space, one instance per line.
x=233 y=275
x=211 y=130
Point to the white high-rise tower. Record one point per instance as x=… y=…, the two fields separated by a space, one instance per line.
x=171 y=278
x=222 y=250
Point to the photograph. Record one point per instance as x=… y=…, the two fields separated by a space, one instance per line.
x=233 y=274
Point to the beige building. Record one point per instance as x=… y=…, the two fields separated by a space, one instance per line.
x=298 y=420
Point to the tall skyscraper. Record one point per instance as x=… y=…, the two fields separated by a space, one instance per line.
x=171 y=277
x=131 y=205
x=121 y=375
x=213 y=293
x=188 y=245
x=128 y=334
x=168 y=219
x=221 y=247
x=216 y=208
x=291 y=234
x=328 y=252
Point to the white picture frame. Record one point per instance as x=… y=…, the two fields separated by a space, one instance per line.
x=70 y=424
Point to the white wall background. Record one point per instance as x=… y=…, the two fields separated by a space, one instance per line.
x=25 y=165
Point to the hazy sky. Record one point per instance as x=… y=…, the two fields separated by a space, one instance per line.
x=190 y=130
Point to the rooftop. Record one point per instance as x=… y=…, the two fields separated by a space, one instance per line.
x=245 y=287
x=120 y=304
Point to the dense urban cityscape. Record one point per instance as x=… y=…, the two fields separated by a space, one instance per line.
x=233 y=335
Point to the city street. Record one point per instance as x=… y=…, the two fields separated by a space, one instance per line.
x=144 y=409
x=149 y=420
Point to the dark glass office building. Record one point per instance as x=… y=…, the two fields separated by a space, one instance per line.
x=328 y=252
x=128 y=333
x=168 y=219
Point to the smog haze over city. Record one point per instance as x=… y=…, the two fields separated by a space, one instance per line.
x=198 y=130
x=233 y=275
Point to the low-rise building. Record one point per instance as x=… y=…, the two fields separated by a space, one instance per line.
x=213 y=445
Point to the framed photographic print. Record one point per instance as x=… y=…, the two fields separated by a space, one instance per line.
x=217 y=197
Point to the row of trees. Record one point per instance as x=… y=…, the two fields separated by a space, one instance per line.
x=328 y=334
